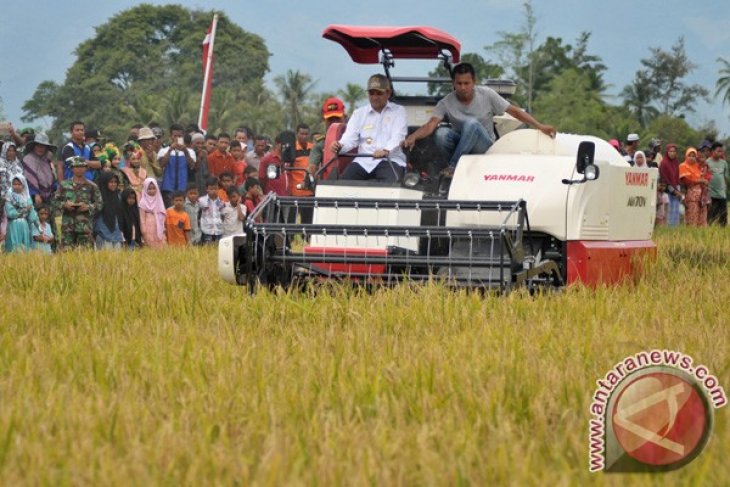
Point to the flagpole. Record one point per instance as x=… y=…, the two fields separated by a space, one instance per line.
x=204 y=101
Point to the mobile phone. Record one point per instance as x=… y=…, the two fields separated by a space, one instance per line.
x=4 y=128
x=180 y=141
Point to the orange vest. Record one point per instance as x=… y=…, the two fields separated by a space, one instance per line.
x=297 y=177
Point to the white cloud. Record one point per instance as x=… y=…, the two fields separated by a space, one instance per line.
x=712 y=31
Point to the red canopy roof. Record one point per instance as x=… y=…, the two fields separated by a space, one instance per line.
x=365 y=43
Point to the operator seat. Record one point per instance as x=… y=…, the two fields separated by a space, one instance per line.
x=333 y=169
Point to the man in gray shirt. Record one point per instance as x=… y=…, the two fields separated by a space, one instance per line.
x=718 y=185
x=253 y=158
x=470 y=110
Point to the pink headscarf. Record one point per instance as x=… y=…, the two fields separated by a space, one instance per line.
x=154 y=204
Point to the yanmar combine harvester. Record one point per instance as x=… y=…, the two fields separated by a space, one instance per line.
x=533 y=211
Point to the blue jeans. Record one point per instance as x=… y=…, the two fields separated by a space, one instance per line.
x=673 y=213
x=473 y=139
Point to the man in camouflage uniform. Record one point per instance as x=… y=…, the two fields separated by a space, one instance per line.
x=79 y=200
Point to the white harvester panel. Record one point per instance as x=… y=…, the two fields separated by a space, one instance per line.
x=366 y=216
x=417 y=115
x=526 y=164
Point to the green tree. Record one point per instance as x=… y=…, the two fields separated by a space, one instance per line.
x=638 y=98
x=294 y=88
x=265 y=113
x=553 y=57
x=530 y=40
x=584 y=113
x=145 y=63
x=722 y=85
x=179 y=104
x=514 y=50
x=675 y=130
x=617 y=122
x=665 y=71
x=483 y=69
x=352 y=94
x=591 y=64
x=533 y=68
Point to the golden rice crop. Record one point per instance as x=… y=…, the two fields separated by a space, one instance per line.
x=145 y=368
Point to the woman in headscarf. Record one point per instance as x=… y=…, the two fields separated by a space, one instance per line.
x=21 y=216
x=131 y=228
x=110 y=160
x=690 y=175
x=108 y=222
x=669 y=175
x=133 y=170
x=705 y=200
x=38 y=170
x=640 y=159
x=10 y=166
x=152 y=214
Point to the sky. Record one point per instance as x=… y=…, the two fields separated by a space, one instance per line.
x=39 y=41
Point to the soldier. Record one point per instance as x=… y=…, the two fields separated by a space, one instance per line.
x=78 y=200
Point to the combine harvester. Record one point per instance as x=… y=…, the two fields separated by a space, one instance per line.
x=533 y=211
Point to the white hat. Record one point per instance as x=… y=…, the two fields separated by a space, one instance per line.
x=146 y=133
x=632 y=138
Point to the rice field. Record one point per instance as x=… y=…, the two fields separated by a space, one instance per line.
x=145 y=368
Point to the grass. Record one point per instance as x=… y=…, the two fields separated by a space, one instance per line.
x=145 y=368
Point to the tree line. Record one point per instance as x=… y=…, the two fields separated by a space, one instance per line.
x=144 y=65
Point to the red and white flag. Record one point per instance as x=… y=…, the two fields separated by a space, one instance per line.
x=208 y=43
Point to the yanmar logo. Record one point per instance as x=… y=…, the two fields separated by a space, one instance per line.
x=516 y=178
x=637 y=179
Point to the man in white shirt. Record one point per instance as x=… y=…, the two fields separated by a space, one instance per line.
x=375 y=129
x=632 y=145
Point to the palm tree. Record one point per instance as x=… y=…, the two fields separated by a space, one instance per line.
x=143 y=108
x=294 y=87
x=177 y=107
x=352 y=94
x=223 y=110
x=265 y=114
x=638 y=97
x=723 y=82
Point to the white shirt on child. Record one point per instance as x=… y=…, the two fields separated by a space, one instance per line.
x=211 y=222
x=231 y=224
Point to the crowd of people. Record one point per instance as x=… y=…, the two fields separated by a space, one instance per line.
x=193 y=189
x=188 y=187
x=692 y=188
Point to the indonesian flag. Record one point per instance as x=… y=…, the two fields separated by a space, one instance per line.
x=206 y=47
x=208 y=43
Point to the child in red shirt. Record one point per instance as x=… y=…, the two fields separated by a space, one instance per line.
x=239 y=165
x=253 y=196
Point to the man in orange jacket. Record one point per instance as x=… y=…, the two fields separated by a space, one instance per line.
x=301 y=164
